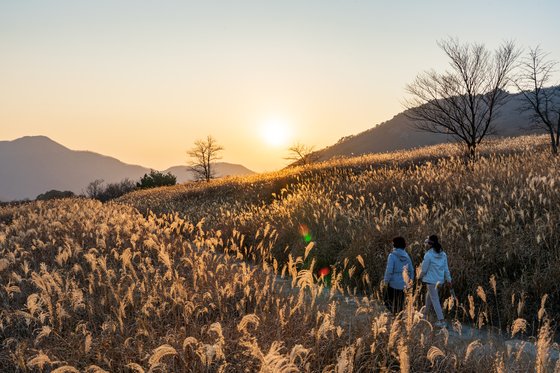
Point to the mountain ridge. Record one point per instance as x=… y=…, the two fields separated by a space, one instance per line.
x=399 y=133
x=31 y=165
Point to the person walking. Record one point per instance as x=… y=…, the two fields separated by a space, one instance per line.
x=435 y=272
x=397 y=262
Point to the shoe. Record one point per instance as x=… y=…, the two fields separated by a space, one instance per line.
x=440 y=324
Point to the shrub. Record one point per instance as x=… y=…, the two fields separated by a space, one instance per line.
x=156 y=179
x=115 y=190
x=96 y=190
x=55 y=194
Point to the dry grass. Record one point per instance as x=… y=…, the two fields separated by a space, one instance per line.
x=93 y=287
x=498 y=219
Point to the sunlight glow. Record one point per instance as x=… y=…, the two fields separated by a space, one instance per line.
x=276 y=132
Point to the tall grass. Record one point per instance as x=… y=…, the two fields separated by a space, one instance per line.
x=92 y=287
x=498 y=219
x=223 y=277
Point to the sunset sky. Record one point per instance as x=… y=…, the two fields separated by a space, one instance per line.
x=142 y=80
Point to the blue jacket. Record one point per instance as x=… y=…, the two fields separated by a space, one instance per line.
x=434 y=268
x=398 y=259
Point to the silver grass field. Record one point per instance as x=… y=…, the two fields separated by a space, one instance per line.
x=222 y=276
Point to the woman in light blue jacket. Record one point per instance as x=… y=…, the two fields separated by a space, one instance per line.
x=435 y=272
x=397 y=262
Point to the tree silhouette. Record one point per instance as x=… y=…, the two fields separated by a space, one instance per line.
x=542 y=102
x=464 y=101
x=302 y=154
x=203 y=154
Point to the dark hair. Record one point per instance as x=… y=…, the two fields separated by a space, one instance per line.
x=399 y=242
x=434 y=241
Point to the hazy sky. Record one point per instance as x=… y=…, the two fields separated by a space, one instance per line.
x=142 y=80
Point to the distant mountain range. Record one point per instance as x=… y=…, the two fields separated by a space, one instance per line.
x=32 y=165
x=399 y=133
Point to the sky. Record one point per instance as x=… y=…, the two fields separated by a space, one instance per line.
x=141 y=81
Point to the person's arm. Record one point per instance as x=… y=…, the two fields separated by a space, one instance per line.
x=447 y=274
x=425 y=266
x=411 y=269
x=389 y=269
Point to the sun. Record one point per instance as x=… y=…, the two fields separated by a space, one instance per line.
x=276 y=132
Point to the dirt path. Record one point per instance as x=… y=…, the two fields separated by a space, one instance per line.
x=356 y=313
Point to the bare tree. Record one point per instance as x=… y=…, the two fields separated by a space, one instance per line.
x=464 y=101
x=203 y=154
x=543 y=103
x=301 y=154
x=95 y=188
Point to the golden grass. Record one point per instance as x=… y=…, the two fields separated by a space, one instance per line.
x=102 y=287
x=498 y=219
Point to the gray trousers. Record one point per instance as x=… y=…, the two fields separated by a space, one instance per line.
x=432 y=299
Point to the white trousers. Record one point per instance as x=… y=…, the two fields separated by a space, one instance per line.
x=432 y=299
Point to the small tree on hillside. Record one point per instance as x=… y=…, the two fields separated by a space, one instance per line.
x=94 y=189
x=464 y=101
x=156 y=179
x=543 y=103
x=301 y=154
x=104 y=193
x=115 y=190
x=203 y=154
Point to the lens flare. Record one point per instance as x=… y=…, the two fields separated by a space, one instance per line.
x=324 y=272
x=304 y=230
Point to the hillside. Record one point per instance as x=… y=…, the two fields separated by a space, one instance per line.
x=353 y=206
x=33 y=165
x=222 y=276
x=399 y=133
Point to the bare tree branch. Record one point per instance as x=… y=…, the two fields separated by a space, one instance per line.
x=464 y=101
x=543 y=103
x=203 y=154
x=302 y=154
